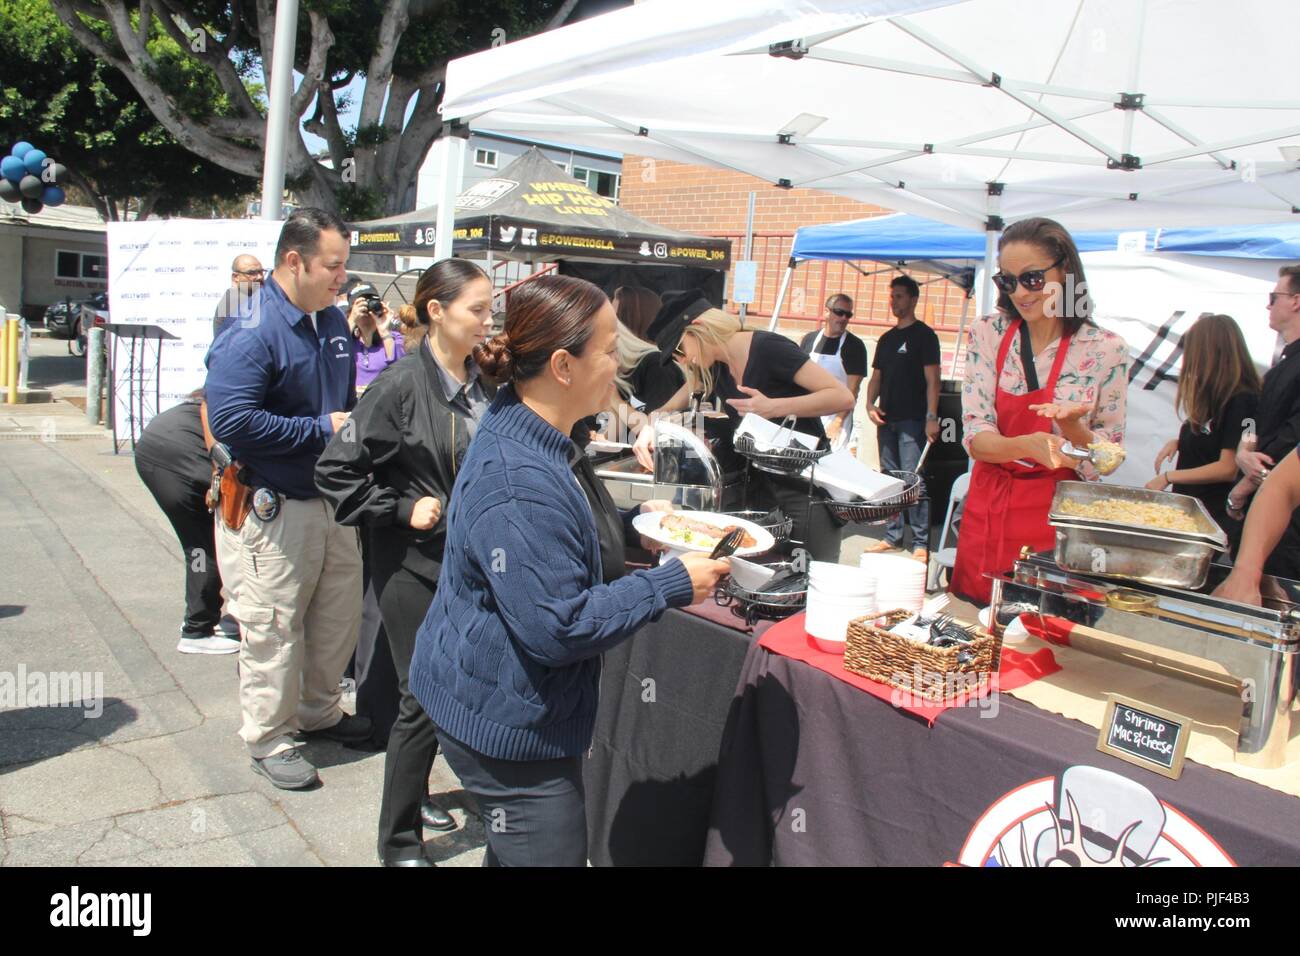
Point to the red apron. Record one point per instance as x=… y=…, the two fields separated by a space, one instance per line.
x=1006 y=506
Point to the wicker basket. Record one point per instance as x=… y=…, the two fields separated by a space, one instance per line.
x=931 y=673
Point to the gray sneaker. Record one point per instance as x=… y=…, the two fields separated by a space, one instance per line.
x=288 y=770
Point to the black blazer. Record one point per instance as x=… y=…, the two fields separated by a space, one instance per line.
x=403 y=442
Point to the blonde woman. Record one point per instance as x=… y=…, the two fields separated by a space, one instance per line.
x=1218 y=394
x=766 y=374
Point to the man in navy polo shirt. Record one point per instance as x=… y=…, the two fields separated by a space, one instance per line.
x=280 y=382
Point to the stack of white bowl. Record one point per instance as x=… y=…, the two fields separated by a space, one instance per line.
x=900 y=581
x=837 y=594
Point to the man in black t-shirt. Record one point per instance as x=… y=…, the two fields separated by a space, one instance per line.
x=842 y=354
x=905 y=383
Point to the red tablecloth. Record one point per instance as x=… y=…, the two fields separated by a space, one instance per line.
x=789 y=639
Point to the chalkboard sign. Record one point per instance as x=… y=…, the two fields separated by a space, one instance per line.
x=1144 y=735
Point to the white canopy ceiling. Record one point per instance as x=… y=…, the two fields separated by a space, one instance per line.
x=1099 y=113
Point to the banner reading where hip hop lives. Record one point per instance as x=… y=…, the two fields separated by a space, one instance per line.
x=170 y=273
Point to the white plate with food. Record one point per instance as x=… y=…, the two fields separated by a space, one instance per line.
x=683 y=531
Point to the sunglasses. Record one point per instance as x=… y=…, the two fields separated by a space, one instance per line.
x=1272 y=296
x=842 y=313
x=1032 y=279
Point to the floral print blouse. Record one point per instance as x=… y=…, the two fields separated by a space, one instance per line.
x=1095 y=373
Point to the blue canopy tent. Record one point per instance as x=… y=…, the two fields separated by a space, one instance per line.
x=954 y=253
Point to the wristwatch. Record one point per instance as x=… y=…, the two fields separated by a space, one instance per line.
x=931 y=417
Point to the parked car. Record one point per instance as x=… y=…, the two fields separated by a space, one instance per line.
x=63 y=319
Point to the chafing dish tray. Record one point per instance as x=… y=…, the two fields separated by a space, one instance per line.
x=1086 y=492
x=1249 y=652
x=1141 y=553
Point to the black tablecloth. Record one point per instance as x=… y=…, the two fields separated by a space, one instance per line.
x=650 y=778
x=815 y=772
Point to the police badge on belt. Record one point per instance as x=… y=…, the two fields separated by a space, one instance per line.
x=266 y=504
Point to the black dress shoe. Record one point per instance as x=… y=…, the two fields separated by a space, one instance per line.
x=414 y=861
x=435 y=817
x=351 y=731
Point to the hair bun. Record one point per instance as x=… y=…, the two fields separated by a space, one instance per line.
x=494 y=357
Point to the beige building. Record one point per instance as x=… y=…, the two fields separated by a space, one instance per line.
x=58 y=253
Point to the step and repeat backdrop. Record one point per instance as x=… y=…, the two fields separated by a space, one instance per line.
x=167 y=276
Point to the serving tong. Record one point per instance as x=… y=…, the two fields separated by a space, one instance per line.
x=1070 y=451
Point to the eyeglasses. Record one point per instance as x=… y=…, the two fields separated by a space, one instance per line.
x=251 y=273
x=1272 y=296
x=1032 y=279
x=842 y=313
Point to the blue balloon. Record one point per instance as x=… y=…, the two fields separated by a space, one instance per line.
x=12 y=169
x=53 y=196
x=33 y=161
x=22 y=148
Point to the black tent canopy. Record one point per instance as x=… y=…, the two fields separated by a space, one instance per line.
x=533 y=211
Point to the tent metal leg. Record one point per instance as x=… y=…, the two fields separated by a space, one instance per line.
x=780 y=298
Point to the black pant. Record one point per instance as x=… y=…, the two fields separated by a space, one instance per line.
x=181 y=500
x=372 y=663
x=534 y=811
x=818 y=530
x=404 y=599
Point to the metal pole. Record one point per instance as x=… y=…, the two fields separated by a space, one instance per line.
x=990 y=264
x=780 y=297
x=4 y=350
x=277 y=118
x=749 y=237
x=961 y=329
x=94 y=372
x=451 y=152
x=24 y=353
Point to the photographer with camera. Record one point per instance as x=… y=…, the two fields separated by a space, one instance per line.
x=374 y=346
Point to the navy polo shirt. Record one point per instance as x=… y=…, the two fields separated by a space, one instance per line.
x=272 y=383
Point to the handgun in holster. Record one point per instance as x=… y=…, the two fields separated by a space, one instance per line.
x=226 y=491
x=221 y=459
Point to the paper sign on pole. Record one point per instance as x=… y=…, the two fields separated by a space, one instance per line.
x=744 y=280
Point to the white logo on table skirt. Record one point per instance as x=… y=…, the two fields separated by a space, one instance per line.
x=1090 y=817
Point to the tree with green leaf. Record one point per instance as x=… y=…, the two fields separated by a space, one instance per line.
x=198 y=84
x=85 y=113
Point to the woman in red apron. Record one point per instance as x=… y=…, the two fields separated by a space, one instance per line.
x=1017 y=456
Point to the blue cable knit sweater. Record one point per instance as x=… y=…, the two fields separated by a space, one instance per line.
x=507 y=659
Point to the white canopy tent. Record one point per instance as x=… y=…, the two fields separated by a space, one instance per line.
x=1099 y=113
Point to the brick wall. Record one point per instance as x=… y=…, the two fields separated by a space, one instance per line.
x=702 y=199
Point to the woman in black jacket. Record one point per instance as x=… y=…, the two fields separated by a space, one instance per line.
x=392 y=470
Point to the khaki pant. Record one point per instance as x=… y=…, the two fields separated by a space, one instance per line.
x=294 y=585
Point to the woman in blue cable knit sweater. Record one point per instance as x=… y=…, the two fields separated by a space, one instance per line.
x=507 y=662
